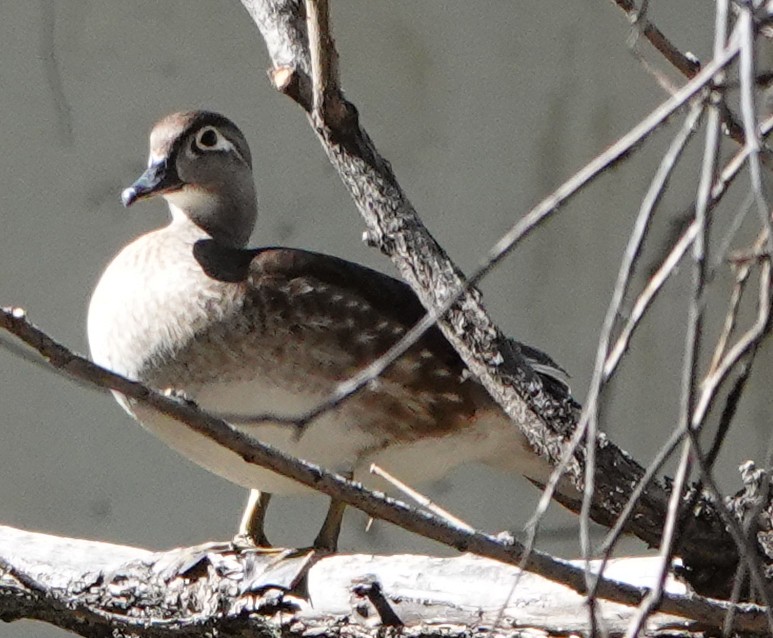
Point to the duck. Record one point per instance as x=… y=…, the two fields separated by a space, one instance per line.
x=243 y=331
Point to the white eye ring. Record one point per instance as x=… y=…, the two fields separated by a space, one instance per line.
x=209 y=138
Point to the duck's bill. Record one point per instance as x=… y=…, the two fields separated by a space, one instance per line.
x=157 y=179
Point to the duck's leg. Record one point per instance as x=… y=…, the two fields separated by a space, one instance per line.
x=327 y=539
x=251 y=530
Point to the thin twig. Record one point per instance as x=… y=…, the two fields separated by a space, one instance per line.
x=746 y=67
x=742 y=272
x=630 y=257
x=661 y=275
x=693 y=340
x=686 y=64
x=722 y=254
x=419 y=498
x=728 y=413
x=745 y=343
x=654 y=596
x=324 y=62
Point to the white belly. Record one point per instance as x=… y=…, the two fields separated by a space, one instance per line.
x=335 y=443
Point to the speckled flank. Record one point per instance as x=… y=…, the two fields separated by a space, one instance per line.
x=274 y=344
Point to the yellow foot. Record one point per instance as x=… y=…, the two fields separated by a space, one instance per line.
x=246 y=542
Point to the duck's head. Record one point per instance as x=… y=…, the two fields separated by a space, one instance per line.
x=200 y=163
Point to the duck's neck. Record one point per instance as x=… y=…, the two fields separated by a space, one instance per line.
x=228 y=220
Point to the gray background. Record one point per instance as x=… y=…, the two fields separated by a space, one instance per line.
x=482 y=108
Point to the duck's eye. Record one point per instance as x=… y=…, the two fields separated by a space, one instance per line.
x=207 y=139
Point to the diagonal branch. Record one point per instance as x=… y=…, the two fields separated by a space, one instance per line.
x=394 y=226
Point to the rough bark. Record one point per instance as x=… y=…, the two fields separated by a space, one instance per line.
x=98 y=590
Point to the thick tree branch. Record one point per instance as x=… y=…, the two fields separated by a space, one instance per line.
x=99 y=590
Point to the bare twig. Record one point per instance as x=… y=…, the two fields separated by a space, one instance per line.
x=694 y=338
x=728 y=412
x=654 y=285
x=419 y=498
x=686 y=64
x=746 y=67
x=652 y=600
x=743 y=271
x=742 y=347
x=632 y=252
x=326 y=86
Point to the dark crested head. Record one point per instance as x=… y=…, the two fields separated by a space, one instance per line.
x=200 y=163
x=202 y=131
